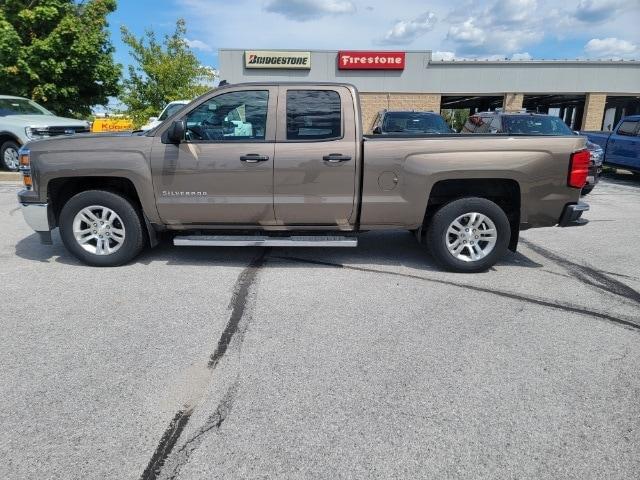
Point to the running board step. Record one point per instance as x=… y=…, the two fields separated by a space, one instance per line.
x=264 y=241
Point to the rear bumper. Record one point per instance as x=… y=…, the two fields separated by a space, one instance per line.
x=594 y=175
x=572 y=213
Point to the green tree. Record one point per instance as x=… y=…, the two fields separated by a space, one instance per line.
x=161 y=72
x=58 y=53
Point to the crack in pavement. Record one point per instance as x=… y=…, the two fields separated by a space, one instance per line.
x=163 y=453
x=588 y=275
x=567 y=307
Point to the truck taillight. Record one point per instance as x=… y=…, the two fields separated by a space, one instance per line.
x=579 y=168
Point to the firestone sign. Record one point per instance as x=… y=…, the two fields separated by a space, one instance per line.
x=349 y=60
x=277 y=59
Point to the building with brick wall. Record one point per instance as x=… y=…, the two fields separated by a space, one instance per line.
x=588 y=95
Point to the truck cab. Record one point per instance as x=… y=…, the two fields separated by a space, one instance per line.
x=622 y=146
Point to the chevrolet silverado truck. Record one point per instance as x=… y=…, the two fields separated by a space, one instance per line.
x=286 y=164
x=622 y=146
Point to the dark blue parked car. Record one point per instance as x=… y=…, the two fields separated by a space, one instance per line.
x=622 y=146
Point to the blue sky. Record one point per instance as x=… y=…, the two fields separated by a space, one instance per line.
x=519 y=29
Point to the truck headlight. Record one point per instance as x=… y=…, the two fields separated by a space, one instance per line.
x=33 y=133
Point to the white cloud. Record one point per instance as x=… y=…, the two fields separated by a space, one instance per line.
x=446 y=56
x=199 y=45
x=521 y=56
x=303 y=10
x=611 y=47
x=405 y=32
x=467 y=33
x=481 y=29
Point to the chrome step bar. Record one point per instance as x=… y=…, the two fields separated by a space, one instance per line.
x=264 y=241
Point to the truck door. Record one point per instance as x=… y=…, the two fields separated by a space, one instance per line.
x=624 y=145
x=315 y=159
x=222 y=173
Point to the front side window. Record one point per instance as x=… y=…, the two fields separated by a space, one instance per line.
x=627 y=128
x=231 y=116
x=313 y=115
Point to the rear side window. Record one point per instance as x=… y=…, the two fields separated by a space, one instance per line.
x=313 y=115
x=627 y=128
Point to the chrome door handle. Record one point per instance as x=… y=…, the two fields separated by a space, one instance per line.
x=254 y=158
x=336 y=157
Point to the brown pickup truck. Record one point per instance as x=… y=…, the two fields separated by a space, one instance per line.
x=287 y=164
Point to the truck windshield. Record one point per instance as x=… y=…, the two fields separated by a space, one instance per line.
x=535 y=125
x=20 y=106
x=414 y=122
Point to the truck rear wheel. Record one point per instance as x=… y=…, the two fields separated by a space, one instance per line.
x=468 y=235
x=101 y=228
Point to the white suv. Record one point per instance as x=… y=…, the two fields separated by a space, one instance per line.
x=169 y=110
x=23 y=120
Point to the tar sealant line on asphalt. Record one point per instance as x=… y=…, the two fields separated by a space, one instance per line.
x=588 y=275
x=238 y=306
x=567 y=307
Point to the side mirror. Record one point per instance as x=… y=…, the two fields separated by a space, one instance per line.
x=377 y=131
x=152 y=119
x=176 y=131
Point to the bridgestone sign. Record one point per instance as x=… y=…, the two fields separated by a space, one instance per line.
x=277 y=59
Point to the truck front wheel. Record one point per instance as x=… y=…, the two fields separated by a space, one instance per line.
x=9 y=155
x=101 y=228
x=468 y=235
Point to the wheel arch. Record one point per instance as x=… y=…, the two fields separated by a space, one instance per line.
x=8 y=136
x=505 y=192
x=61 y=189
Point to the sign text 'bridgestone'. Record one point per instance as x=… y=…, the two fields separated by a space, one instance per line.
x=276 y=59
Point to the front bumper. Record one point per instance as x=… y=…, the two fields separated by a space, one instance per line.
x=571 y=215
x=38 y=217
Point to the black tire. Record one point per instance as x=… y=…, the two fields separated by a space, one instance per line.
x=9 y=144
x=134 y=238
x=445 y=216
x=587 y=190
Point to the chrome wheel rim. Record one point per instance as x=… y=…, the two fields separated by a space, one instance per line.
x=471 y=237
x=98 y=230
x=11 y=158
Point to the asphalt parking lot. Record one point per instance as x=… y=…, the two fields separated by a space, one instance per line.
x=196 y=363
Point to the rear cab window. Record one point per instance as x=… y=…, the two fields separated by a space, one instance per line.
x=535 y=125
x=414 y=122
